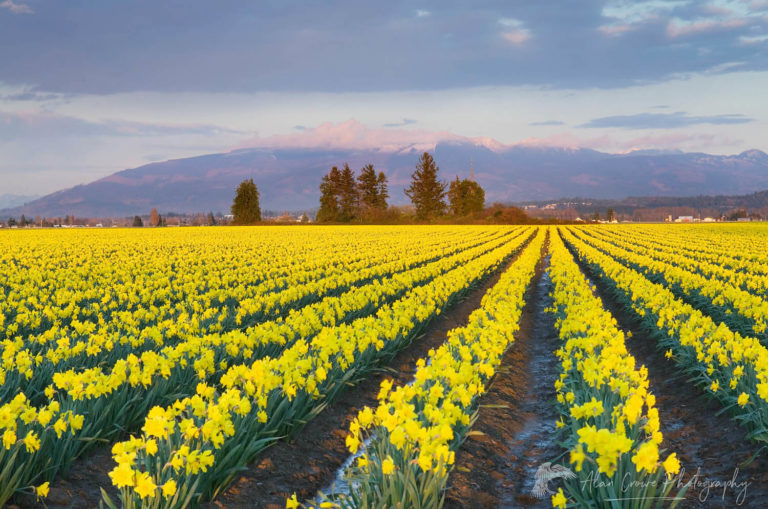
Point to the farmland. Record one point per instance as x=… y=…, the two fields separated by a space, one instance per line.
x=440 y=365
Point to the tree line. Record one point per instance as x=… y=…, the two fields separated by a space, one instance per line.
x=345 y=198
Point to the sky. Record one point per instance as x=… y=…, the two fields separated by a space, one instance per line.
x=89 y=88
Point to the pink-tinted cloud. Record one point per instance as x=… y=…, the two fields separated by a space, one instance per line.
x=676 y=29
x=516 y=37
x=609 y=143
x=515 y=31
x=563 y=140
x=354 y=135
x=15 y=8
x=718 y=10
x=617 y=30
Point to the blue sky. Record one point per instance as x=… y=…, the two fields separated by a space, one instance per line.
x=89 y=88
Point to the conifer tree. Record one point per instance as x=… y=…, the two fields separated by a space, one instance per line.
x=372 y=189
x=382 y=191
x=368 y=187
x=465 y=197
x=347 y=193
x=329 y=203
x=245 y=207
x=426 y=191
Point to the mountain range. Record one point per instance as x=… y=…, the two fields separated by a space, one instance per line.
x=288 y=178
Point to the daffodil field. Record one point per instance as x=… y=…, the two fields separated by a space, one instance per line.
x=190 y=351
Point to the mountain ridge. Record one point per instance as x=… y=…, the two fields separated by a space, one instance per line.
x=288 y=178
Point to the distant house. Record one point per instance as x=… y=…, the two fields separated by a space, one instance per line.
x=684 y=219
x=708 y=220
x=744 y=219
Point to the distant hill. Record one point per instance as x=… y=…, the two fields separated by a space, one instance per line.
x=14 y=200
x=651 y=207
x=288 y=178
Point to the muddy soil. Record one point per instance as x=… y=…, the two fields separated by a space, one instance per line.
x=516 y=419
x=713 y=450
x=306 y=464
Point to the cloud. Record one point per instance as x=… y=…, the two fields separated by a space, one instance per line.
x=616 y=30
x=756 y=39
x=514 y=31
x=31 y=96
x=627 y=16
x=621 y=145
x=353 y=135
x=405 y=122
x=664 y=120
x=16 y=8
x=639 y=11
x=546 y=122
x=549 y=43
x=679 y=28
x=37 y=124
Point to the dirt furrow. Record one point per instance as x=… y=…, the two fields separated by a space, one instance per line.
x=713 y=450
x=516 y=419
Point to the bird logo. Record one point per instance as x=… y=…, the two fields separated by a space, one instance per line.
x=547 y=472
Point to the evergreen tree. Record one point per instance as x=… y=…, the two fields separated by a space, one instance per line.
x=426 y=192
x=372 y=189
x=245 y=207
x=383 y=191
x=11 y=221
x=347 y=193
x=137 y=222
x=368 y=187
x=465 y=197
x=23 y=221
x=329 y=204
x=211 y=220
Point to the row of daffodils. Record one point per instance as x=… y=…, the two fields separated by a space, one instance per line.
x=609 y=418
